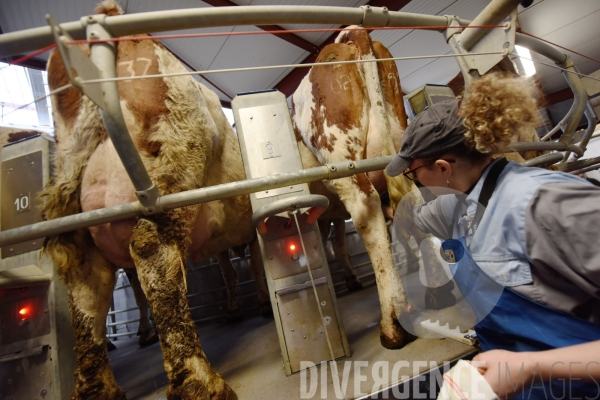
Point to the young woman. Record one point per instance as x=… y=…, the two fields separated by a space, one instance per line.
x=522 y=241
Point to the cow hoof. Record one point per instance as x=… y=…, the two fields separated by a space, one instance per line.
x=266 y=310
x=396 y=341
x=115 y=394
x=353 y=284
x=226 y=393
x=440 y=297
x=193 y=389
x=397 y=337
x=234 y=315
x=147 y=338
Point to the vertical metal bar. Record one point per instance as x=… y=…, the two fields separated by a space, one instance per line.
x=104 y=57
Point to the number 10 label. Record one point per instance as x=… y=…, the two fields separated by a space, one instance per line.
x=22 y=203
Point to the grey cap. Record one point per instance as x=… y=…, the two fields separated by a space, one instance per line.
x=432 y=132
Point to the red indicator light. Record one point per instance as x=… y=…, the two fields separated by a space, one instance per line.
x=24 y=313
x=292 y=247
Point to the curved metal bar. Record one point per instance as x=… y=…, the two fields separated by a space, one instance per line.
x=161 y=21
x=540 y=47
x=316 y=202
x=549 y=159
x=579 y=105
x=560 y=125
x=532 y=146
x=589 y=131
x=563 y=60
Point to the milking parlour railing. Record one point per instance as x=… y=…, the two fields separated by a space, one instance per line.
x=96 y=77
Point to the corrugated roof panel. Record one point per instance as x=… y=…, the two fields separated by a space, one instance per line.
x=418 y=43
x=137 y=6
x=438 y=72
x=521 y=8
x=25 y=14
x=551 y=15
x=253 y=51
x=430 y=7
x=576 y=33
x=317 y=38
x=389 y=37
x=465 y=9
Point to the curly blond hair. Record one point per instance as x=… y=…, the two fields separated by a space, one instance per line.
x=498 y=109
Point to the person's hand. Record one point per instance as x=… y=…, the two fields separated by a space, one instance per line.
x=506 y=372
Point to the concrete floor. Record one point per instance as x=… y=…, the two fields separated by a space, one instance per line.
x=248 y=356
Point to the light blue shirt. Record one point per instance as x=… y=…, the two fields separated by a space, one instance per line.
x=497 y=243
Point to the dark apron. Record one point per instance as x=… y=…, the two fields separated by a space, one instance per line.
x=510 y=321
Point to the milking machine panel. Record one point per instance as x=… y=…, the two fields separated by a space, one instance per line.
x=34 y=316
x=308 y=322
x=425 y=96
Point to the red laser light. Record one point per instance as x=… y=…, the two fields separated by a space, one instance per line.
x=292 y=247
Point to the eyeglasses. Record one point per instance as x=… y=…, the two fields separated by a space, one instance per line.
x=410 y=173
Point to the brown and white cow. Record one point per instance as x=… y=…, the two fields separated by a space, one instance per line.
x=185 y=142
x=352 y=112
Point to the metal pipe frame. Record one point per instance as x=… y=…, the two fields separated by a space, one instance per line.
x=586 y=169
x=579 y=164
x=160 y=21
x=562 y=60
x=579 y=105
x=589 y=131
x=494 y=13
x=18 y=42
x=580 y=102
x=129 y=210
x=560 y=125
x=532 y=146
x=549 y=159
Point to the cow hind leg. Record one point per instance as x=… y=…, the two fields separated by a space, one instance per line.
x=341 y=253
x=147 y=334
x=234 y=310
x=257 y=270
x=158 y=249
x=363 y=204
x=90 y=287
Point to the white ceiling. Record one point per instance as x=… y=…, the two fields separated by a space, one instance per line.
x=572 y=24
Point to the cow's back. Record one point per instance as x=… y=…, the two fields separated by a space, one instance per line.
x=352 y=111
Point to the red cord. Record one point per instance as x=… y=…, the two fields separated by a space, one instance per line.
x=35 y=53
